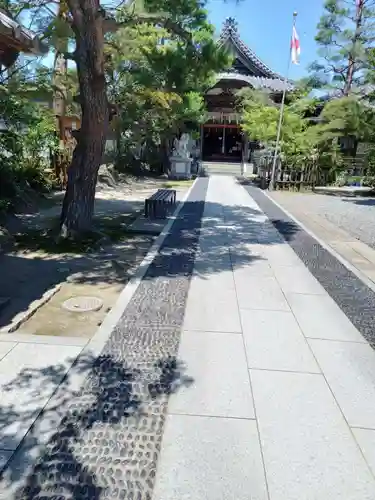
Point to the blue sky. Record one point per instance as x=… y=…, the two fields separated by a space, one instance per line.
x=266 y=27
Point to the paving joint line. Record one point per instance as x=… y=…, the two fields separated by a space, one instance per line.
x=299 y=372
x=222 y=417
x=249 y=378
x=318 y=364
x=325 y=245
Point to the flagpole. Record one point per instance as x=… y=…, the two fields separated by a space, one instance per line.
x=272 y=184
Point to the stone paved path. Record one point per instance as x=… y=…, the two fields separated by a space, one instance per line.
x=307 y=209
x=233 y=374
x=283 y=400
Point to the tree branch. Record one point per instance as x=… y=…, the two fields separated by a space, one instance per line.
x=112 y=25
x=69 y=56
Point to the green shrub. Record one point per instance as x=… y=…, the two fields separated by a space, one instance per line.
x=25 y=148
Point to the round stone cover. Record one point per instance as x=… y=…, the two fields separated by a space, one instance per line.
x=83 y=304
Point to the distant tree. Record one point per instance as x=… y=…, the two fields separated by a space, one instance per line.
x=346 y=32
x=158 y=84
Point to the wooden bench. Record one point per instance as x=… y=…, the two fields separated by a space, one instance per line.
x=157 y=205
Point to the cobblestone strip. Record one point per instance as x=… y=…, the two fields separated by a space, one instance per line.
x=355 y=299
x=108 y=443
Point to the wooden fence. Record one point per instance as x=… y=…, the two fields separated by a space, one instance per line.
x=293 y=180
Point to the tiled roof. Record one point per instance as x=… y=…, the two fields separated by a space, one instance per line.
x=230 y=32
x=26 y=38
x=258 y=82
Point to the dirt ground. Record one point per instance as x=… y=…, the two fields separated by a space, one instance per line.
x=103 y=276
x=37 y=265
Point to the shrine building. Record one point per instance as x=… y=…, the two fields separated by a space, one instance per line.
x=222 y=139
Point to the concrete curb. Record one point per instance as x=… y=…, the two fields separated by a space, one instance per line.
x=369 y=283
x=23 y=316
x=44 y=424
x=97 y=342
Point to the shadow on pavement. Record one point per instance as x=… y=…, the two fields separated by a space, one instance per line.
x=25 y=278
x=107 y=428
x=367 y=202
x=112 y=420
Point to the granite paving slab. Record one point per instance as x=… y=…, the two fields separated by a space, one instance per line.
x=107 y=443
x=366 y=440
x=216 y=312
x=220 y=383
x=309 y=451
x=206 y=458
x=350 y=372
x=353 y=297
x=21 y=402
x=6 y=347
x=320 y=317
x=274 y=341
x=260 y=292
x=301 y=282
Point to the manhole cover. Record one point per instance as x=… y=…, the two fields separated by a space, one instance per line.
x=83 y=304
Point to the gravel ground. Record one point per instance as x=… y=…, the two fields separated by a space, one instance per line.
x=354 y=215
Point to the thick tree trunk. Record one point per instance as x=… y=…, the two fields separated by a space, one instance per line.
x=78 y=205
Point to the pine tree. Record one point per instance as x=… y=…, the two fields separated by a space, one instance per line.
x=91 y=25
x=346 y=32
x=157 y=86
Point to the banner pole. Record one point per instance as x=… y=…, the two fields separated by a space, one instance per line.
x=272 y=185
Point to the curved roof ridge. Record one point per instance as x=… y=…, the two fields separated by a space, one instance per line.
x=230 y=31
x=258 y=82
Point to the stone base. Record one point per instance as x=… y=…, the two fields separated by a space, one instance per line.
x=180 y=168
x=247 y=169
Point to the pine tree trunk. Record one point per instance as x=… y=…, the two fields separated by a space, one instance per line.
x=78 y=206
x=352 y=59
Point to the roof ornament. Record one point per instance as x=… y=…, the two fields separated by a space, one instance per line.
x=231 y=24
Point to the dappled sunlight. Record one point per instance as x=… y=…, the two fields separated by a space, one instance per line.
x=120 y=396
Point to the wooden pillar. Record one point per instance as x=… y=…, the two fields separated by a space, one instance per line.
x=201 y=142
x=223 y=143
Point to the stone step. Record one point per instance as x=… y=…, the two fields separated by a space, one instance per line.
x=218 y=168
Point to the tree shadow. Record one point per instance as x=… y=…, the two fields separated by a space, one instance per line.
x=26 y=277
x=101 y=433
x=87 y=425
x=228 y=238
x=288 y=229
x=367 y=202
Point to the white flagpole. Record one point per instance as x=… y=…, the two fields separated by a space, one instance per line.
x=272 y=184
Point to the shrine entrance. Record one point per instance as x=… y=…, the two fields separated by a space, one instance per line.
x=222 y=142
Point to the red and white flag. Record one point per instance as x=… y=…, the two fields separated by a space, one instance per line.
x=295 y=47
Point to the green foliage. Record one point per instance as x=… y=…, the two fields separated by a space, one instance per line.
x=346 y=117
x=25 y=145
x=157 y=78
x=260 y=121
x=302 y=145
x=345 y=35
